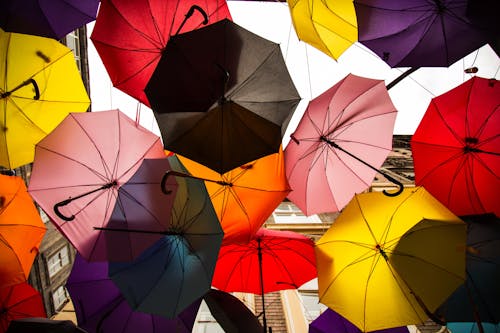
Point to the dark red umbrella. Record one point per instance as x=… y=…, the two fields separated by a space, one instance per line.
x=19 y=301
x=456 y=148
x=130 y=36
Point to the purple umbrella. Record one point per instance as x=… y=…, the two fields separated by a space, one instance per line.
x=418 y=33
x=53 y=19
x=331 y=322
x=101 y=308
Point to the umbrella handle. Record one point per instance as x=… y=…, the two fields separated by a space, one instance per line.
x=190 y=13
x=389 y=177
x=67 y=201
x=25 y=83
x=185 y=175
x=61 y=215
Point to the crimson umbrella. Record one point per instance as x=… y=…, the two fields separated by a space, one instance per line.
x=130 y=36
x=456 y=148
x=19 y=301
x=418 y=33
x=101 y=307
x=273 y=260
x=78 y=175
x=344 y=135
x=222 y=96
x=54 y=19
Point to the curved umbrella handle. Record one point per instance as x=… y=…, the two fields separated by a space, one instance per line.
x=394 y=181
x=202 y=12
x=190 y=13
x=25 y=83
x=61 y=215
x=67 y=201
x=37 y=91
x=390 y=178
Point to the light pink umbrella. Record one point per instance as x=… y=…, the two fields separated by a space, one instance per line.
x=78 y=174
x=342 y=139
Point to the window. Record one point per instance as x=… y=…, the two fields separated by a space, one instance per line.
x=60 y=296
x=310 y=300
x=57 y=261
x=287 y=212
x=205 y=322
x=73 y=42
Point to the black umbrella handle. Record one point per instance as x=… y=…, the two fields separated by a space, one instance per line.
x=25 y=83
x=190 y=13
x=185 y=175
x=69 y=200
x=389 y=177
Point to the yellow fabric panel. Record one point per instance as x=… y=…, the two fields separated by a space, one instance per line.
x=24 y=120
x=329 y=25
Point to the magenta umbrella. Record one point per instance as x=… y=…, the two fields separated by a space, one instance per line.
x=342 y=139
x=88 y=164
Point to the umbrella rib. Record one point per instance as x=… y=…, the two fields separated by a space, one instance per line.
x=105 y=218
x=139 y=32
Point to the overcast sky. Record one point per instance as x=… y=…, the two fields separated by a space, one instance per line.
x=312 y=71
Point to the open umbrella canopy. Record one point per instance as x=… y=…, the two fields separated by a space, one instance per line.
x=39 y=85
x=456 y=147
x=218 y=89
x=19 y=301
x=418 y=33
x=78 y=173
x=246 y=196
x=21 y=231
x=344 y=135
x=330 y=26
x=478 y=299
x=231 y=313
x=272 y=260
x=130 y=36
x=391 y=261
x=331 y=322
x=100 y=307
x=284 y=258
x=54 y=19
x=43 y=325
x=457 y=327
x=177 y=270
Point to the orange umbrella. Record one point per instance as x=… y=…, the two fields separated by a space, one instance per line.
x=245 y=196
x=21 y=231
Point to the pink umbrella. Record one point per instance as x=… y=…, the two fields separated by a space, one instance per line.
x=90 y=162
x=342 y=139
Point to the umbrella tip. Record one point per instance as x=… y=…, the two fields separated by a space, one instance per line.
x=471 y=70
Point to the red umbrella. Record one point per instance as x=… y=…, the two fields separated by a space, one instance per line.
x=79 y=174
x=273 y=260
x=344 y=135
x=130 y=36
x=19 y=301
x=456 y=148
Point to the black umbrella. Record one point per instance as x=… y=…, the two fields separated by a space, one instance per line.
x=218 y=89
x=43 y=325
x=231 y=314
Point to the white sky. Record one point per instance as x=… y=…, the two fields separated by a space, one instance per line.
x=312 y=71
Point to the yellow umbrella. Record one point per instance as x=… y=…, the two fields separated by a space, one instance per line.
x=328 y=25
x=391 y=261
x=39 y=85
